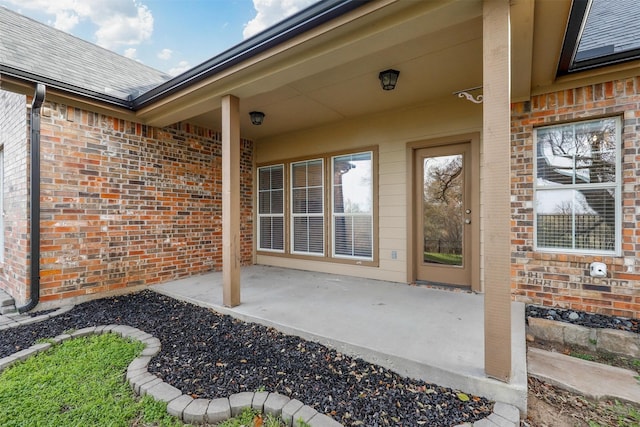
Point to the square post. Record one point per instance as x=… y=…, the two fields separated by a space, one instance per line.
x=496 y=180
x=231 y=201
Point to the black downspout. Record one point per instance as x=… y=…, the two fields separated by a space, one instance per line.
x=38 y=99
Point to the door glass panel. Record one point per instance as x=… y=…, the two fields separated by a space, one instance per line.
x=442 y=210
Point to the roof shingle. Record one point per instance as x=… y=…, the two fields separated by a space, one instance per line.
x=611 y=27
x=28 y=45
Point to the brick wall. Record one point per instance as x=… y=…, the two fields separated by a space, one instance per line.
x=13 y=139
x=563 y=280
x=124 y=204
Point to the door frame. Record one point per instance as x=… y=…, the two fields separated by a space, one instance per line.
x=413 y=232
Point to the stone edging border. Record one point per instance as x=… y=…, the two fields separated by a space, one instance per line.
x=11 y=320
x=185 y=407
x=197 y=411
x=595 y=339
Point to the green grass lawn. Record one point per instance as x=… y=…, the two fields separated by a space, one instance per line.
x=251 y=417
x=448 y=259
x=78 y=383
x=81 y=383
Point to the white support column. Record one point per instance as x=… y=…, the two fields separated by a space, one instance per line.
x=231 y=201
x=496 y=191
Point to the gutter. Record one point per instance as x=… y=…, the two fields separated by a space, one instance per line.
x=303 y=21
x=66 y=87
x=34 y=221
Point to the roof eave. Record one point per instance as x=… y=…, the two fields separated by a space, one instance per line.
x=575 y=27
x=604 y=61
x=573 y=32
x=32 y=79
x=297 y=24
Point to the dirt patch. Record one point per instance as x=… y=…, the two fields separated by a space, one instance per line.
x=550 y=406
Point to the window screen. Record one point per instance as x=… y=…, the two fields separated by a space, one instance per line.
x=577 y=186
x=307 y=207
x=352 y=206
x=271 y=208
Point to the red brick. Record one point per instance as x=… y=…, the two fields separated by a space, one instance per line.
x=561 y=275
x=105 y=183
x=13 y=130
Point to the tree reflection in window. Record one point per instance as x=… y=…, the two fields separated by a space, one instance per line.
x=443 y=194
x=577 y=185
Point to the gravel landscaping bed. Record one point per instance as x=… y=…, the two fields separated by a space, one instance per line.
x=208 y=355
x=584 y=319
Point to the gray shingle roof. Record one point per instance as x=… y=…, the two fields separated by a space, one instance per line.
x=612 y=26
x=35 y=48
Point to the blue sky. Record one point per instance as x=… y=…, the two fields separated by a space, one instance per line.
x=169 y=35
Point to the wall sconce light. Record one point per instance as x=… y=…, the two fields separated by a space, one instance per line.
x=388 y=79
x=257 y=117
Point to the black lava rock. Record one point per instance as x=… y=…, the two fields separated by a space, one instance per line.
x=208 y=355
x=582 y=318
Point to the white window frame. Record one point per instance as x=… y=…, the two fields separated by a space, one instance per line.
x=272 y=215
x=617 y=186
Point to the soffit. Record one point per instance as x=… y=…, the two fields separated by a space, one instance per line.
x=550 y=23
x=332 y=75
x=331 y=72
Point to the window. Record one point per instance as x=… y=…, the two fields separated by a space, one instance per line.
x=329 y=208
x=577 y=187
x=271 y=208
x=352 y=206
x=307 y=207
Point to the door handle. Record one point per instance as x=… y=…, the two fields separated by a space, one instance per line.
x=467 y=221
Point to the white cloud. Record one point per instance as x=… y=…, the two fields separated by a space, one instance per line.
x=67 y=13
x=128 y=26
x=165 y=54
x=65 y=21
x=180 y=68
x=269 y=12
x=131 y=53
x=120 y=22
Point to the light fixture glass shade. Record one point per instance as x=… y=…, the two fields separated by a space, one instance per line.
x=388 y=79
x=257 y=117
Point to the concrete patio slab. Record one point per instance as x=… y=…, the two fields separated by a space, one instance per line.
x=429 y=334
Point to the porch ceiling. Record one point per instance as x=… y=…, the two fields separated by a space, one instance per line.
x=331 y=72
